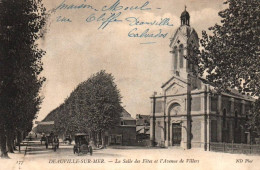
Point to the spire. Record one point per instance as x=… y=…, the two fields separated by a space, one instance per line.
x=185 y=17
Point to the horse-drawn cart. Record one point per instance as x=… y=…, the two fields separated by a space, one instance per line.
x=53 y=141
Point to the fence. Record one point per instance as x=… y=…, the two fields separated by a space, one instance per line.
x=235 y=148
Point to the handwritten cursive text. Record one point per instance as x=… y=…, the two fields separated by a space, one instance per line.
x=135 y=22
x=146 y=34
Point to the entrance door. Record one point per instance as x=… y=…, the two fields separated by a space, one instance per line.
x=176 y=134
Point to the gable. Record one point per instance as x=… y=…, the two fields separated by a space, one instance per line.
x=175 y=86
x=125 y=114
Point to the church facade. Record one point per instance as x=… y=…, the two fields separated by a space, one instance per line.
x=188 y=113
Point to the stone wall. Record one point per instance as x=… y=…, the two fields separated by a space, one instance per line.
x=196 y=103
x=196 y=132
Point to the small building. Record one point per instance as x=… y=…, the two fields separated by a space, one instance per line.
x=124 y=133
x=142 y=127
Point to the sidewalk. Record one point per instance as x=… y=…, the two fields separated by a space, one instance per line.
x=13 y=158
x=132 y=147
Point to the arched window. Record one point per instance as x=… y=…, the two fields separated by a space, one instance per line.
x=175 y=58
x=224 y=118
x=175 y=109
x=181 y=56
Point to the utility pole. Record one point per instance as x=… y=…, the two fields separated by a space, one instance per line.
x=153 y=119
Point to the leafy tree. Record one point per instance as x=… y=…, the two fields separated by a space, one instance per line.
x=20 y=67
x=71 y=117
x=93 y=107
x=230 y=53
x=253 y=122
x=103 y=104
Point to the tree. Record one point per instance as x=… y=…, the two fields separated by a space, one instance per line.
x=253 y=122
x=70 y=117
x=20 y=67
x=230 y=54
x=94 y=106
x=104 y=103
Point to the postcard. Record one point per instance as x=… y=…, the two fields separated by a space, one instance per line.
x=91 y=84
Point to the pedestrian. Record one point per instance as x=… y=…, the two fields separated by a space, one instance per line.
x=56 y=143
x=46 y=144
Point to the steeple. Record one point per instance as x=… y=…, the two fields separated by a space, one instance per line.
x=184 y=38
x=185 y=17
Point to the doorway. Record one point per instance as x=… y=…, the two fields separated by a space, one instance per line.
x=176 y=134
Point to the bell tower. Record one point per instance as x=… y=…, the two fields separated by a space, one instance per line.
x=184 y=38
x=185 y=17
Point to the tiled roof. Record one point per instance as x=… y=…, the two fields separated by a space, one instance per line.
x=125 y=113
x=143 y=129
x=232 y=92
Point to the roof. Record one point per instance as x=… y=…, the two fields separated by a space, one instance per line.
x=143 y=117
x=178 y=78
x=185 y=14
x=54 y=113
x=127 y=118
x=232 y=92
x=125 y=113
x=142 y=120
x=143 y=129
x=138 y=128
x=148 y=132
x=43 y=128
x=184 y=30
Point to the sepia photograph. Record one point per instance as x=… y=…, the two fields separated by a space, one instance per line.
x=129 y=84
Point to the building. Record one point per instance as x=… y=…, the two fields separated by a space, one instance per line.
x=142 y=128
x=124 y=133
x=188 y=113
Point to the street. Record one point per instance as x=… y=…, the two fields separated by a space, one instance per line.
x=125 y=157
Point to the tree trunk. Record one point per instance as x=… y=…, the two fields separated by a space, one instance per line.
x=103 y=139
x=14 y=145
x=3 y=142
x=22 y=136
x=10 y=141
x=94 y=138
x=99 y=138
x=16 y=139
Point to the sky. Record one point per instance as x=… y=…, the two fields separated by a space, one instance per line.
x=79 y=43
